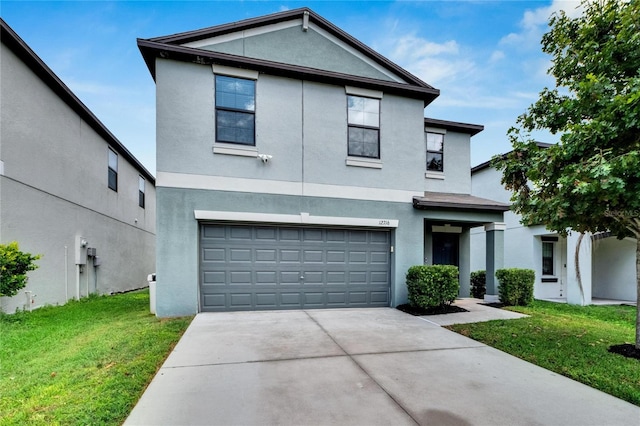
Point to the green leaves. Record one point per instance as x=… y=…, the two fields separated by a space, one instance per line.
x=14 y=266
x=591 y=180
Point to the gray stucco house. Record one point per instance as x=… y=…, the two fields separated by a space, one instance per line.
x=69 y=190
x=296 y=169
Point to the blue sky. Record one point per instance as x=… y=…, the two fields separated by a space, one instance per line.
x=484 y=56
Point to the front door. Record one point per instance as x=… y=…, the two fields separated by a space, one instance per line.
x=446 y=248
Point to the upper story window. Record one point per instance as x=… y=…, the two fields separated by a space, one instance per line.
x=435 y=152
x=113 y=170
x=363 y=117
x=141 y=184
x=235 y=110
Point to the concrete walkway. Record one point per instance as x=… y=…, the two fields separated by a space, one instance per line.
x=357 y=367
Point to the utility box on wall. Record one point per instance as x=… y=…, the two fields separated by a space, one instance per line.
x=81 y=250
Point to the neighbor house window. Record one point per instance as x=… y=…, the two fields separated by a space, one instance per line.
x=363 y=117
x=113 y=170
x=235 y=110
x=141 y=191
x=435 y=152
x=548 y=258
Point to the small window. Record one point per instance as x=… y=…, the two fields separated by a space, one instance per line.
x=235 y=110
x=363 y=116
x=113 y=170
x=548 y=259
x=435 y=152
x=141 y=191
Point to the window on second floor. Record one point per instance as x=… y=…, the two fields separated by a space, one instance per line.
x=235 y=110
x=113 y=170
x=141 y=184
x=363 y=117
x=435 y=152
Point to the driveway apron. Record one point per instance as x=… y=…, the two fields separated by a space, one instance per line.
x=357 y=367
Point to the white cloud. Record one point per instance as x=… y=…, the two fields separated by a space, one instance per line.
x=496 y=56
x=534 y=22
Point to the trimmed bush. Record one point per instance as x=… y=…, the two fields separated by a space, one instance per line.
x=516 y=286
x=478 y=284
x=432 y=285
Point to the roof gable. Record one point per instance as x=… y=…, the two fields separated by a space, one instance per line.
x=320 y=51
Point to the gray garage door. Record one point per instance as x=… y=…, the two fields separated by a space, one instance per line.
x=278 y=267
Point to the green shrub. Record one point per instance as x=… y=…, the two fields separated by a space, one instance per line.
x=478 y=284
x=14 y=266
x=432 y=285
x=516 y=286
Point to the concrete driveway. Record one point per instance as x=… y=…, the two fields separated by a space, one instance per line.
x=357 y=367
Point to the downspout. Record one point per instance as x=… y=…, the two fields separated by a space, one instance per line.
x=66 y=274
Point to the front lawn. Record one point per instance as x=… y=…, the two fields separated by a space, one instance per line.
x=86 y=362
x=569 y=340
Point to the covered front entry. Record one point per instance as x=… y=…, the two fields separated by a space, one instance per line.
x=448 y=219
x=256 y=267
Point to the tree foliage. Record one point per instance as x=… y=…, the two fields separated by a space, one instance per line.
x=590 y=181
x=14 y=265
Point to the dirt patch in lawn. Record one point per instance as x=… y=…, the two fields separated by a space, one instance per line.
x=438 y=310
x=627 y=350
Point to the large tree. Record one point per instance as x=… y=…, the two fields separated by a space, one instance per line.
x=590 y=180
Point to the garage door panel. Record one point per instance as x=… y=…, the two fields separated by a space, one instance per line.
x=289 y=299
x=289 y=255
x=271 y=267
x=240 y=233
x=215 y=255
x=240 y=300
x=313 y=256
x=266 y=255
x=215 y=278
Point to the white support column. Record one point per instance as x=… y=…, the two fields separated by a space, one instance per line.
x=577 y=295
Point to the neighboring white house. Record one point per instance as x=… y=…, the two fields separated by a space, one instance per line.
x=296 y=170
x=606 y=264
x=69 y=190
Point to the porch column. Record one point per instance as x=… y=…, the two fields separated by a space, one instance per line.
x=577 y=295
x=495 y=258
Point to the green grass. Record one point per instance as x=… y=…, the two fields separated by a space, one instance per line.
x=569 y=340
x=86 y=362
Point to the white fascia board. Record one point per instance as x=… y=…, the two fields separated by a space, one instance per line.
x=262 y=186
x=301 y=219
x=495 y=226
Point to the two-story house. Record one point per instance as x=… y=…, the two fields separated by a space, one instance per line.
x=295 y=169
x=69 y=190
x=606 y=265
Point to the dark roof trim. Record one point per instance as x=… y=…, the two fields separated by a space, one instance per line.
x=18 y=46
x=471 y=129
x=275 y=18
x=457 y=202
x=151 y=49
x=487 y=164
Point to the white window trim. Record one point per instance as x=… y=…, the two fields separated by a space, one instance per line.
x=366 y=93
x=431 y=174
x=234 y=72
x=235 y=149
x=371 y=163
